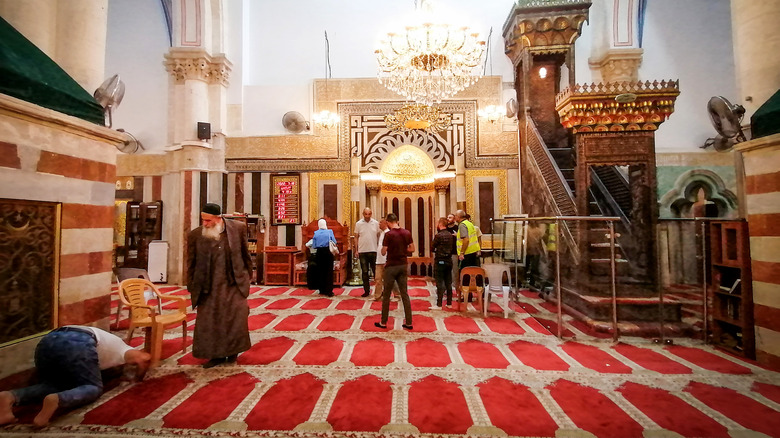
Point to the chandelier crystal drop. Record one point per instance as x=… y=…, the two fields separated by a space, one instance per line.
x=417 y=116
x=429 y=62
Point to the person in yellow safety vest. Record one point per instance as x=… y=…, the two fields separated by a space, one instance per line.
x=550 y=247
x=467 y=242
x=552 y=236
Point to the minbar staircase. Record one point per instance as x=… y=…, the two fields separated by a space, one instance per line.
x=589 y=292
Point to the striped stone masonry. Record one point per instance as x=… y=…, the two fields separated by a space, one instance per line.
x=48 y=156
x=762 y=190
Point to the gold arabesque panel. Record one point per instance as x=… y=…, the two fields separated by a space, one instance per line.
x=314 y=193
x=500 y=174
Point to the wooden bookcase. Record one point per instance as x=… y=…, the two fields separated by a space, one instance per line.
x=255 y=229
x=278 y=265
x=143 y=224
x=731 y=291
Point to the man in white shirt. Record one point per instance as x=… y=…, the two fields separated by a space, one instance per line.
x=367 y=236
x=68 y=361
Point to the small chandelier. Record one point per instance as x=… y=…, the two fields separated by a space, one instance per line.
x=429 y=62
x=492 y=113
x=326 y=119
x=416 y=116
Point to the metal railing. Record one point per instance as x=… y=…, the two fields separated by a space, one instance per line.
x=516 y=250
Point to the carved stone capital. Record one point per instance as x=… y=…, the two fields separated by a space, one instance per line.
x=442 y=184
x=618 y=65
x=186 y=64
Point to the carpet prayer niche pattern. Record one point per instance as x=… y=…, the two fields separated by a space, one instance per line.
x=319 y=368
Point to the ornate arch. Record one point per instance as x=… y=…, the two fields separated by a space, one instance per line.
x=686 y=187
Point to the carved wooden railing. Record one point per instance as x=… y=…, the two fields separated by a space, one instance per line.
x=558 y=191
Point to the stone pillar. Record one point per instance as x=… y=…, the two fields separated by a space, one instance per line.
x=50 y=26
x=35 y=19
x=373 y=198
x=197 y=94
x=82 y=53
x=755 y=51
x=762 y=187
x=618 y=65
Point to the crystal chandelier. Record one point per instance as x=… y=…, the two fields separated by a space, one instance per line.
x=416 y=116
x=429 y=62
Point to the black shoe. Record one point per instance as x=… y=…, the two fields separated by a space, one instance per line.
x=231 y=359
x=407 y=326
x=380 y=325
x=365 y=294
x=327 y=294
x=214 y=362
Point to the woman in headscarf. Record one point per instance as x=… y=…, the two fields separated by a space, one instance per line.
x=320 y=246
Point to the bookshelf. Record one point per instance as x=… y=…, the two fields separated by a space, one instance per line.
x=731 y=294
x=255 y=233
x=143 y=224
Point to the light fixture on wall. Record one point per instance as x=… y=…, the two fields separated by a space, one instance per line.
x=325 y=118
x=428 y=62
x=542 y=72
x=492 y=113
x=416 y=116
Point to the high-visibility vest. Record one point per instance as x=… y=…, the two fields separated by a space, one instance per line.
x=552 y=237
x=473 y=241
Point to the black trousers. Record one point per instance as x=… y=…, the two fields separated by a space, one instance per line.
x=367 y=264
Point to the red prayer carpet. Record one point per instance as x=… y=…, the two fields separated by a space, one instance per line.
x=318 y=367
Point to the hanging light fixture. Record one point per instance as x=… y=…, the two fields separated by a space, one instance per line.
x=430 y=61
x=325 y=118
x=492 y=113
x=417 y=116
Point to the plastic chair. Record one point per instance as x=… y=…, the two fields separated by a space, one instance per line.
x=131 y=293
x=473 y=272
x=495 y=273
x=123 y=274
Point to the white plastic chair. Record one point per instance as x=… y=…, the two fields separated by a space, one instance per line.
x=495 y=273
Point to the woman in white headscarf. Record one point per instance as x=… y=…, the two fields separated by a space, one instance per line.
x=323 y=258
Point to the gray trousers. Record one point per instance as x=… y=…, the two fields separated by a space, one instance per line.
x=396 y=274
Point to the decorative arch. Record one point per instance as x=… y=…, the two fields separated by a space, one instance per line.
x=678 y=201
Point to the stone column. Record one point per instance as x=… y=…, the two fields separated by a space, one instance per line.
x=197 y=89
x=50 y=26
x=755 y=51
x=82 y=53
x=762 y=187
x=35 y=19
x=373 y=198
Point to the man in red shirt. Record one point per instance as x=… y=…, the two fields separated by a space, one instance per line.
x=397 y=245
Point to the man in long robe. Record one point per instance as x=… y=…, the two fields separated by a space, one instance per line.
x=218 y=276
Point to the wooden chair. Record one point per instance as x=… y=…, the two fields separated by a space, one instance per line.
x=473 y=272
x=123 y=274
x=131 y=293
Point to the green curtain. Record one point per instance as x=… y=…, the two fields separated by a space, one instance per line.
x=28 y=74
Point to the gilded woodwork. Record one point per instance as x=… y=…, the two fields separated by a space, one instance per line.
x=314 y=193
x=500 y=175
x=593 y=108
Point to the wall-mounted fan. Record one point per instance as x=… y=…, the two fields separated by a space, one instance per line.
x=294 y=122
x=109 y=95
x=131 y=144
x=511 y=108
x=727 y=120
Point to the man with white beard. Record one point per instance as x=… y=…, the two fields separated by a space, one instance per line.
x=219 y=269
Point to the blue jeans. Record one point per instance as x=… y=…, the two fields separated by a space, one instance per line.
x=67 y=364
